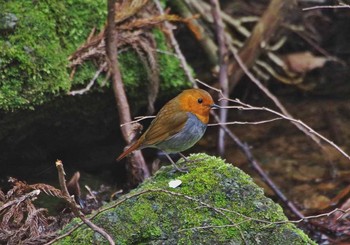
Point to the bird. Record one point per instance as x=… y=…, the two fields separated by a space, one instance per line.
x=179 y=124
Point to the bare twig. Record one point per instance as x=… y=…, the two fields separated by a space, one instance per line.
x=245 y=148
x=306 y=218
x=91 y=193
x=223 y=73
x=138 y=119
x=91 y=83
x=342 y=6
x=273 y=98
x=176 y=46
x=307 y=128
x=73 y=205
x=309 y=131
x=246 y=123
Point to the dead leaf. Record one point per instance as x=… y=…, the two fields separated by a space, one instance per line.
x=309 y=173
x=303 y=62
x=316 y=202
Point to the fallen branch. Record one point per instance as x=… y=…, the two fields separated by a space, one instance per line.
x=74 y=207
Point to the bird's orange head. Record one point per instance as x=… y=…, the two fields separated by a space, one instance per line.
x=197 y=101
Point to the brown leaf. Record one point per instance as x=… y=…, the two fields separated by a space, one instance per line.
x=128 y=9
x=47 y=189
x=316 y=202
x=2 y=196
x=19 y=218
x=303 y=62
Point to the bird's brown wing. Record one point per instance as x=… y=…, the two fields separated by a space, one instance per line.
x=168 y=122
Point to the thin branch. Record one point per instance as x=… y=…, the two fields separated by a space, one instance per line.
x=223 y=72
x=127 y=197
x=176 y=46
x=246 y=123
x=73 y=205
x=306 y=128
x=342 y=6
x=245 y=148
x=273 y=98
x=91 y=83
x=138 y=119
x=137 y=162
x=306 y=218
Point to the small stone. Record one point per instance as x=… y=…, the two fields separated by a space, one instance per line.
x=175 y=183
x=8 y=22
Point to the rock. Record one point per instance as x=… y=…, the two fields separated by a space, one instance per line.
x=215 y=204
x=8 y=22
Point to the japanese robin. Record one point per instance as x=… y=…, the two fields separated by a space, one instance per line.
x=178 y=125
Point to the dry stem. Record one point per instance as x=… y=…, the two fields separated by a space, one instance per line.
x=137 y=161
x=74 y=207
x=223 y=72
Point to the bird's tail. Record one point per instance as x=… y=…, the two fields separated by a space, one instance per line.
x=133 y=147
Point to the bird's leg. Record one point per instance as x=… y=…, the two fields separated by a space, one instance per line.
x=184 y=157
x=186 y=160
x=175 y=166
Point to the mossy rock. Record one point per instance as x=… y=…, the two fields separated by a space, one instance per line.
x=36 y=39
x=215 y=204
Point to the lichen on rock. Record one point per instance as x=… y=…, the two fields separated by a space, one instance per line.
x=215 y=204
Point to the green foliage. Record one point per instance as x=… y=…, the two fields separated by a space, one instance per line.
x=33 y=55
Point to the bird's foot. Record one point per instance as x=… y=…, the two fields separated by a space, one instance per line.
x=186 y=160
x=176 y=168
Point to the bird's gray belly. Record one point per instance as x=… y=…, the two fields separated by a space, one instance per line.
x=192 y=132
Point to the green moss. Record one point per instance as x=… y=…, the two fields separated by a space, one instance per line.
x=36 y=43
x=196 y=218
x=171 y=74
x=33 y=54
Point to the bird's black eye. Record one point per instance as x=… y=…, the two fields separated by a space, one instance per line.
x=200 y=100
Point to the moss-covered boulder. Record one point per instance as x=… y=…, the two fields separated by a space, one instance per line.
x=215 y=204
x=36 y=39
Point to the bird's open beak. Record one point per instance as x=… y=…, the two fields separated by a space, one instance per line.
x=214 y=106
